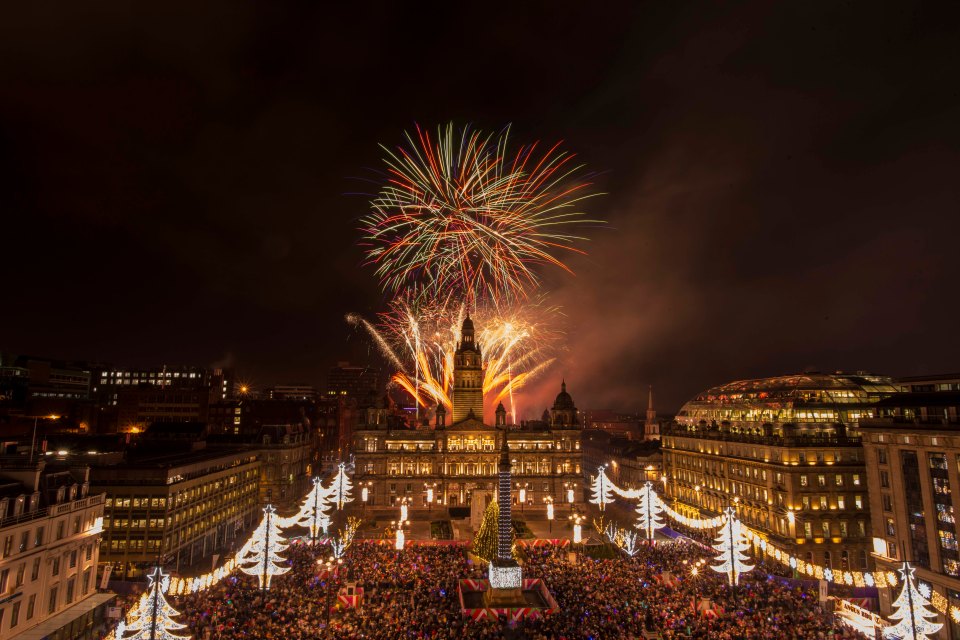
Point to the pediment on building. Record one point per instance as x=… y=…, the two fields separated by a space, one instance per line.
x=469 y=424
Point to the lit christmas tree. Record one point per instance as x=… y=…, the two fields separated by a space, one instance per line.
x=342 y=487
x=649 y=511
x=601 y=488
x=263 y=549
x=152 y=617
x=485 y=540
x=915 y=620
x=732 y=546
x=313 y=511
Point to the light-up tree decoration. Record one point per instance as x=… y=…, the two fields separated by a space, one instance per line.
x=342 y=486
x=732 y=546
x=601 y=488
x=915 y=621
x=627 y=542
x=313 y=511
x=262 y=552
x=152 y=617
x=649 y=511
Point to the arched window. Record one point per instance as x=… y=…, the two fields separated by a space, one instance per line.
x=827 y=560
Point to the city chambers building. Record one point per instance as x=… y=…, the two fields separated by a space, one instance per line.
x=444 y=464
x=785 y=452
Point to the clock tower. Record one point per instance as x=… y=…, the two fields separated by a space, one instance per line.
x=467 y=376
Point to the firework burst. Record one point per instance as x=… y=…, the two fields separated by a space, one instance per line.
x=420 y=340
x=462 y=217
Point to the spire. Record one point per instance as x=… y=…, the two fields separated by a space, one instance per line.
x=563 y=385
x=650 y=400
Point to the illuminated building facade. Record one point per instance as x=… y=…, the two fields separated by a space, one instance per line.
x=451 y=461
x=186 y=506
x=912 y=451
x=783 y=452
x=50 y=527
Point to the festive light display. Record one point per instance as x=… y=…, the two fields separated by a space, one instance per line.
x=602 y=488
x=152 y=617
x=400 y=540
x=915 y=621
x=732 y=546
x=342 y=486
x=312 y=513
x=347 y=534
x=485 y=540
x=649 y=511
x=262 y=552
x=627 y=542
x=459 y=215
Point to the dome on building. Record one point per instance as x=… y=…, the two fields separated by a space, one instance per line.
x=805 y=399
x=467 y=325
x=563 y=401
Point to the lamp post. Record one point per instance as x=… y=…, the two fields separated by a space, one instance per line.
x=522 y=494
x=576 y=518
x=571 y=488
x=365 y=493
x=549 y=501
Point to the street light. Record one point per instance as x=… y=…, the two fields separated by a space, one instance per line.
x=570 y=486
x=523 y=494
x=365 y=493
x=549 y=501
x=577 y=529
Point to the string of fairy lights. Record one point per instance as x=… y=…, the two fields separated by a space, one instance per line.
x=742 y=536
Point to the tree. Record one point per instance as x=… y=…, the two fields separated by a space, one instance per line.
x=732 y=546
x=485 y=540
x=601 y=488
x=649 y=511
x=313 y=511
x=915 y=620
x=342 y=487
x=152 y=617
x=262 y=551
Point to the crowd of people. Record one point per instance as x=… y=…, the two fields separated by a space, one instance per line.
x=412 y=594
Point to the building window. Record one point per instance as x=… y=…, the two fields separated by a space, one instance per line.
x=15 y=615
x=56 y=566
x=882 y=456
x=38 y=537
x=821 y=480
x=913 y=501
x=887 y=502
x=35 y=571
x=858 y=502
x=31 y=605
x=807 y=530
x=838 y=479
x=803 y=481
x=52 y=604
x=823 y=503
x=825 y=526
x=856 y=479
x=841 y=502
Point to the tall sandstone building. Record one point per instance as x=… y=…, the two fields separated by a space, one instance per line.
x=442 y=465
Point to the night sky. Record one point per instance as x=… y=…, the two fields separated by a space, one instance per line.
x=782 y=179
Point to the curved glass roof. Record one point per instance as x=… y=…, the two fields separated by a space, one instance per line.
x=803 y=398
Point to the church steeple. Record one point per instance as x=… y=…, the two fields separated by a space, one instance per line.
x=651 y=429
